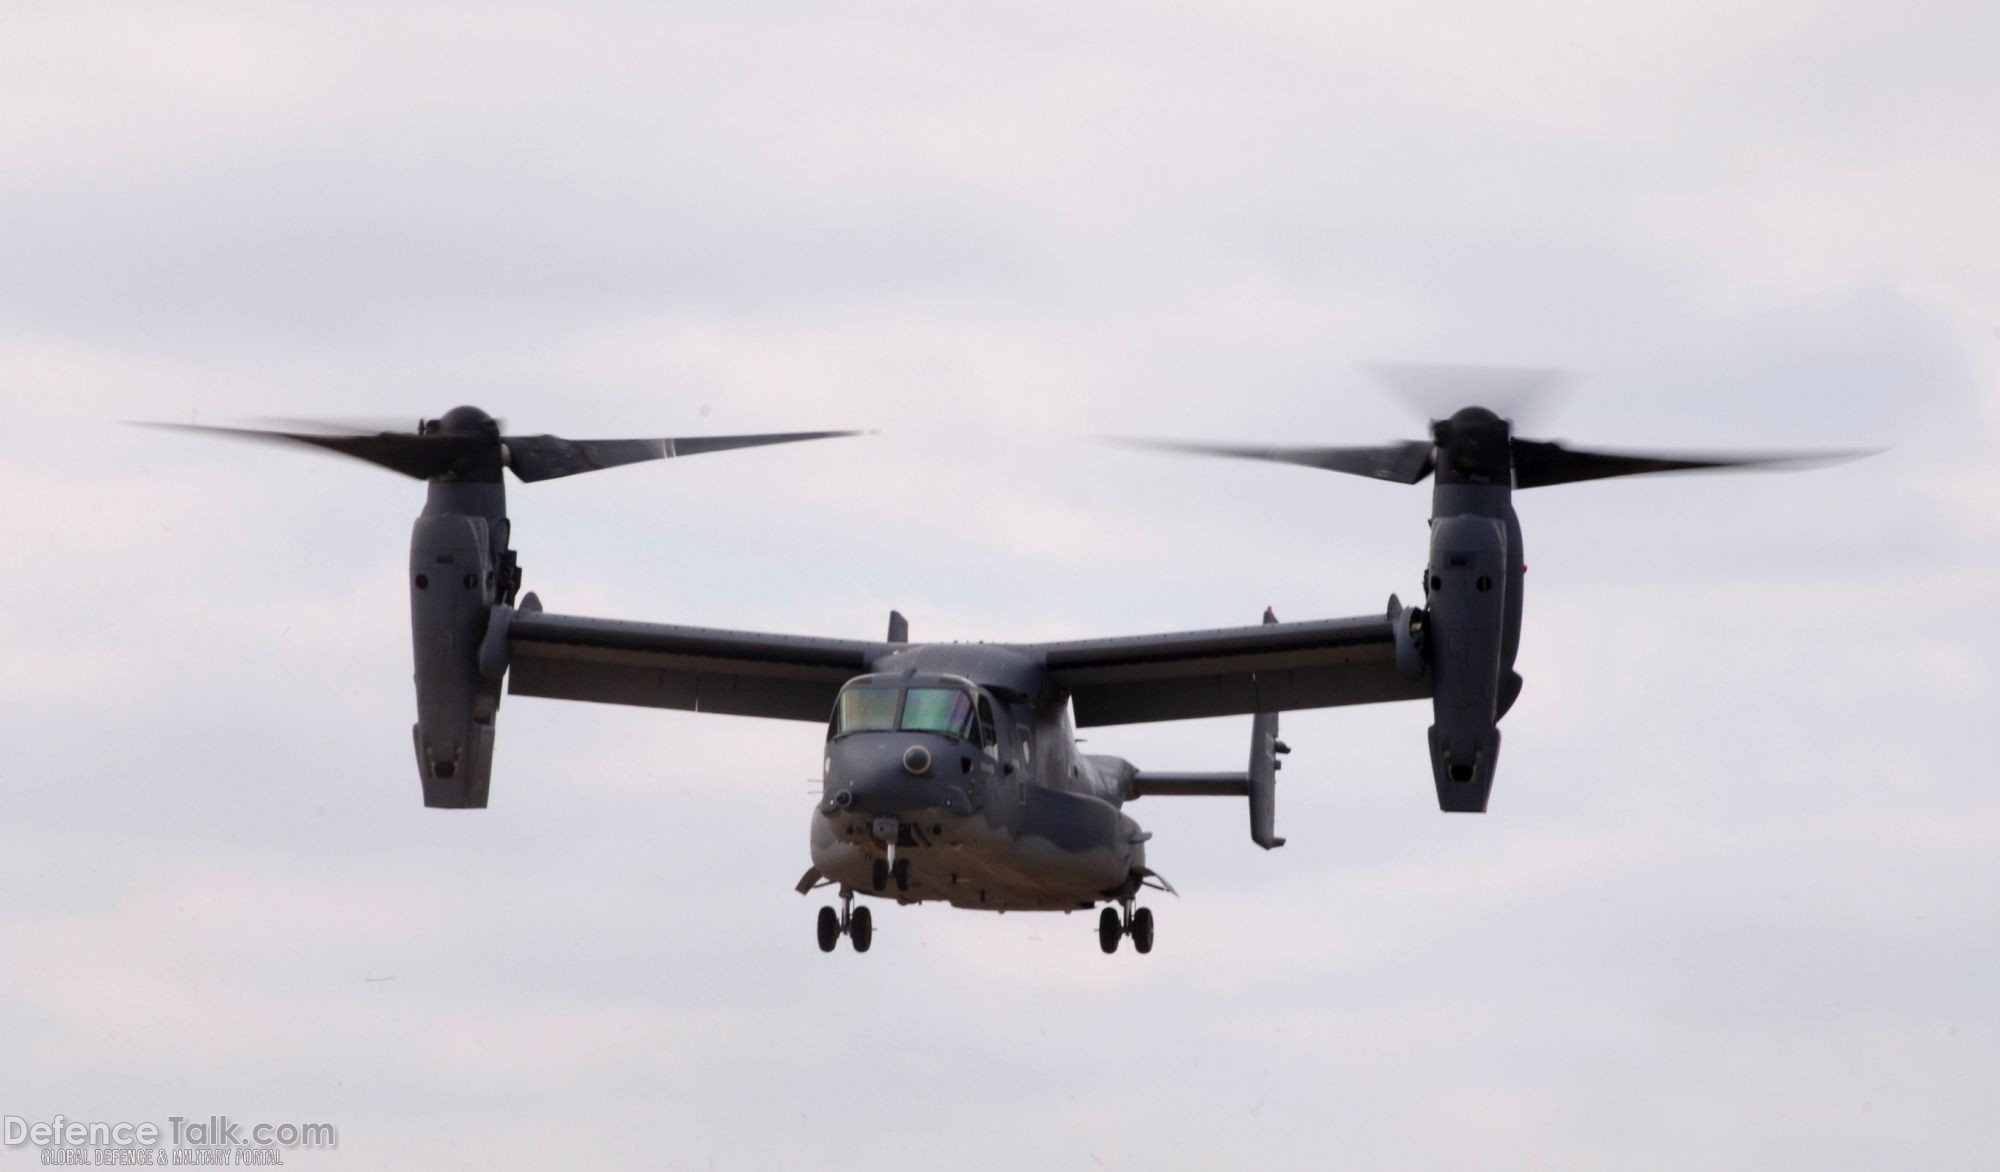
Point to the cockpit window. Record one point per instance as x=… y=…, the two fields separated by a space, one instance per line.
x=985 y=723
x=943 y=710
x=865 y=710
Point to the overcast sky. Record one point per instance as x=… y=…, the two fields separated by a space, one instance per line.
x=1737 y=901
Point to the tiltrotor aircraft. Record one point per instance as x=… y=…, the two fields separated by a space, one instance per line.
x=952 y=771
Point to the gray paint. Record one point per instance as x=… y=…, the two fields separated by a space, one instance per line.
x=1008 y=815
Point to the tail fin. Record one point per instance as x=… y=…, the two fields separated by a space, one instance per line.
x=1264 y=749
x=1259 y=783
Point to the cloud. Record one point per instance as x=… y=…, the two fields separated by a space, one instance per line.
x=1729 y=908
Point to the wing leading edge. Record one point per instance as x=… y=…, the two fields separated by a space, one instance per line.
x=737 y=673
x=1273 y=667
x=1184 y=675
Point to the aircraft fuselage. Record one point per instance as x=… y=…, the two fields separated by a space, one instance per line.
x=977 y=784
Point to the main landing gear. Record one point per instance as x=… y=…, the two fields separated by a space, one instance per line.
x=855 y=923
x=1136 y=923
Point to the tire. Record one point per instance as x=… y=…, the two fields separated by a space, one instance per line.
x=861 y=929
x=1142 y=930
x=1109 y=930
x=902 y=873
x=878 y=875
x=829 y=929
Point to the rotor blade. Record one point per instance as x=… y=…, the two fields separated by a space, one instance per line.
x=545 y=457
x=418 y=456
x=1404 y=463
x=1439 y=390
x=1540 y=463
x=351 y=425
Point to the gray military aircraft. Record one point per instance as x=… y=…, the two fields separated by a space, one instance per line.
x=952 y=771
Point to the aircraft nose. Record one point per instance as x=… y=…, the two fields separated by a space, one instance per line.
x=905 y=786
x=890 y=774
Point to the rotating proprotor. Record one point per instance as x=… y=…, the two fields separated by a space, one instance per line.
x=463 y=573
x=1473 y=582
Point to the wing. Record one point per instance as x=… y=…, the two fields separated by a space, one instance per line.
x=738 y=673
x=1268 y=668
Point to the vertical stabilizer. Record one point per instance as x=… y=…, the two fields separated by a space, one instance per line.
x=1264 y=749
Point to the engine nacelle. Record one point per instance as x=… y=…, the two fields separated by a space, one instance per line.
x=1466 y=612
x=454 y=588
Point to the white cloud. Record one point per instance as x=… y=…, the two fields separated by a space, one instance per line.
x=1730 y=908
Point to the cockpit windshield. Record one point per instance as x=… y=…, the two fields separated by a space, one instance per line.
x=865 y=710
x=943 y=710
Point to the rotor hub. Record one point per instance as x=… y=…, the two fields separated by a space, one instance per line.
x=467 y=421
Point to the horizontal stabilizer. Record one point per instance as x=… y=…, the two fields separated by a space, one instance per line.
x=1189 y=785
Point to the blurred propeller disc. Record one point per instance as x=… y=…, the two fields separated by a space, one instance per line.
x=1525 y=397
x=1476 y=416
x=545 y=457
x=465 y=442
x=423 y=457
x=1538 y=463
x=381 y=425
x=1405 y=463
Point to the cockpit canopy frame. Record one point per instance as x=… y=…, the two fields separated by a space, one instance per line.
x=950 y=706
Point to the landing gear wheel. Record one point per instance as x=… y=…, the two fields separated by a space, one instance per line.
x=902 y=873
x=1142 y=930
x=861 y=929
x=1109 y=930
x=829 y=929
x=878 y=877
